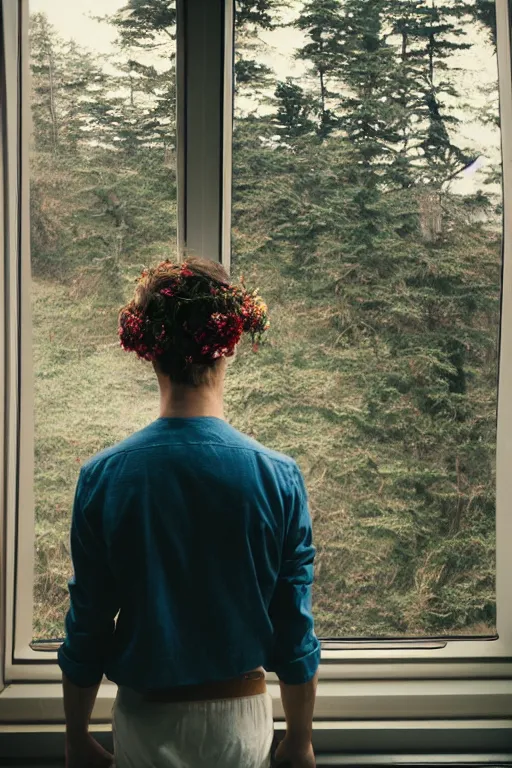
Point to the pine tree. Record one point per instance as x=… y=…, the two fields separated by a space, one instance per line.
x=260 y=13
x=62 y=74
x=428 y=33
x=322 y=23
x=149 y=114
x=146 y=24
x=294 y=110
x=252 y=78
x=139 y=115
x=366 y=67
x=485 y=12
x=45 y=73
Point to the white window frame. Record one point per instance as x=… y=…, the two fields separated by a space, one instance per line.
x=393 y=694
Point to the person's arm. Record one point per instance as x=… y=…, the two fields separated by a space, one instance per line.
x=82 y=751
x=89 y=625
x=296 y=656
x=78 y=706
x=296 y=749
x=299 y=704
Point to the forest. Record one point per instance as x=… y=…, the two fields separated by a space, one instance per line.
x=379 y=375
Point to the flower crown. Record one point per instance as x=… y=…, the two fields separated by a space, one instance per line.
x=154 y=326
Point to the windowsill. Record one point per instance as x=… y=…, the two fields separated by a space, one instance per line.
x=348 y=700
x=336 y=743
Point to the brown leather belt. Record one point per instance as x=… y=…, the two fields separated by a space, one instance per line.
x=250 y=684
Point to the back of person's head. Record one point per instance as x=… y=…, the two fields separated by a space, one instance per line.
x=186 y=317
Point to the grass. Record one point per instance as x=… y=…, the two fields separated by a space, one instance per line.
x=301 y=395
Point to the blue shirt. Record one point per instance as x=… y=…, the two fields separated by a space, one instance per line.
x=199 y=540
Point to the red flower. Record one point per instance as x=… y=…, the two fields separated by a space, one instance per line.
x=131 y=329
x=223 y=332
x=186 y=272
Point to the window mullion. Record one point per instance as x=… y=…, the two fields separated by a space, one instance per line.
x=12 y=200
x=20 y=427
x=504 y=433
x=204 y=117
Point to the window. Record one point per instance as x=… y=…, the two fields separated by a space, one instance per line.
x=102 y=205
x=81 y=181
x=368 y=207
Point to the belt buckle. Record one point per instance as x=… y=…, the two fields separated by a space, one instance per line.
x=256 y=675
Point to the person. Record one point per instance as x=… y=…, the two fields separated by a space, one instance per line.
x=192 y=554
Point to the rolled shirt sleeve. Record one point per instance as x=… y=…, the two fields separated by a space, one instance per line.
x=93 y=600
x=296 y=652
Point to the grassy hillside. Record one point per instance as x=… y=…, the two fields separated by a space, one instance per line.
x=375 y=575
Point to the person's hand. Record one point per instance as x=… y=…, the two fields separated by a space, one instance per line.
x=87 y=753
x=294 y=755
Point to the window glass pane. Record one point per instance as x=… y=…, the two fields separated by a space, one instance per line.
x=367 y=207
x=103 y=191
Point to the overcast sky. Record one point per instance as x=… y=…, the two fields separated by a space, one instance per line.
x=72 y=20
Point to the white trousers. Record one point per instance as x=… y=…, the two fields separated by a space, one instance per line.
x=226 y=733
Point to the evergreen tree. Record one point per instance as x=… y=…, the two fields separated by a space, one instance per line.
x=428 y=34
x=485 y=12
x=139 y=114
x=62 y=75
x=146 y=24
x=366 y=67
x=294 y=109
x=260 y=13
x=253 y=78
x=45 y=79
x=149 y=114
x=322 y=23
